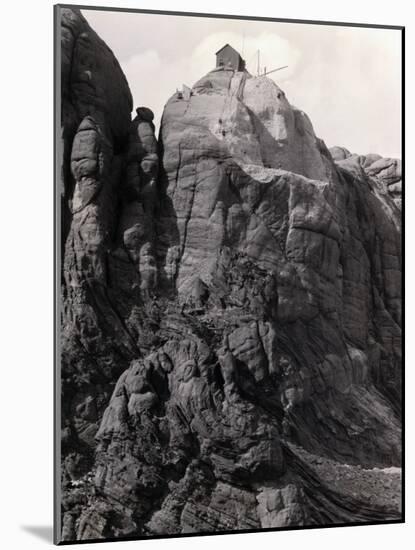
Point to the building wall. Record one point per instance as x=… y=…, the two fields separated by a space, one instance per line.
x=228 y=55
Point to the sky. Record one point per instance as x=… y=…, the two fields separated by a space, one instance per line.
x=348 y=80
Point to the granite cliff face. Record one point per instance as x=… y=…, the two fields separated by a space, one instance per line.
x=231 y=311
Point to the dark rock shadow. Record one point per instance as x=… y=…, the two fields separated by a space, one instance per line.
x=42 y=532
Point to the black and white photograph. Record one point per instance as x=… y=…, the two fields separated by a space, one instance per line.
x=229 y=274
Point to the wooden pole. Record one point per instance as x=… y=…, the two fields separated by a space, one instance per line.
x=274 y=70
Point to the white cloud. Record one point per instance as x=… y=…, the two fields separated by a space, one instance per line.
x=352 y=92
x=346 y=79
x=153 y=80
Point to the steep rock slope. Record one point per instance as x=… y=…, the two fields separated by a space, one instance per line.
x=109 y=163
x=330 y=240
x=245 y=292
x=386 y=171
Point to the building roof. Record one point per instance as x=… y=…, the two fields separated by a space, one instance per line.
x=229 y=46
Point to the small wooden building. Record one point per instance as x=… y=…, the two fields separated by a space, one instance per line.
x=228 y=57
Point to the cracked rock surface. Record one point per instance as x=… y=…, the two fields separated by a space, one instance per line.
x=231 y=311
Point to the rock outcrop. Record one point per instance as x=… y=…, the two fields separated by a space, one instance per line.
x=386 y=171
x=231 y=311
x=108 y=163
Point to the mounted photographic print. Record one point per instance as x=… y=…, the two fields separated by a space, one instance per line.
x=228 y=274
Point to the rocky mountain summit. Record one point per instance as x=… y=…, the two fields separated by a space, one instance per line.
x=231 y=311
